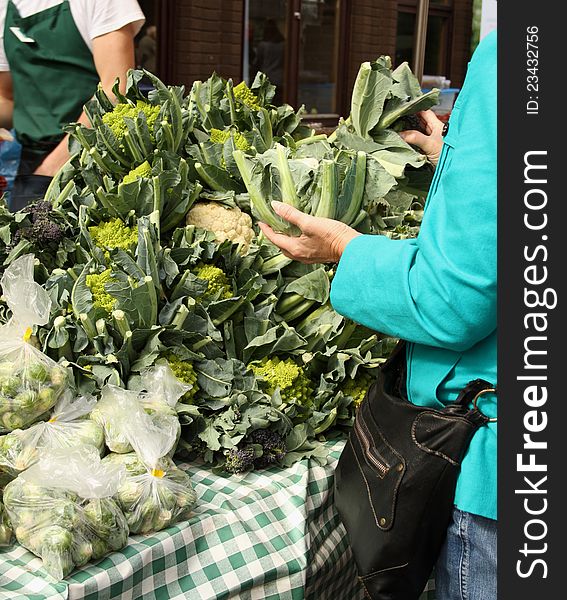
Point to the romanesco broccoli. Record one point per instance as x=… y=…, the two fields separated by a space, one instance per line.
x=218 y=283
x=287 y=376
x=143 y=170
x=114 y=234
x=357 y=388
x=243 y=94
x=219 y=136
x=115 y=118
x=101 y=298
x=185 y=372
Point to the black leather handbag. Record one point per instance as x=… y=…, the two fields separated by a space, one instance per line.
x=396 y=477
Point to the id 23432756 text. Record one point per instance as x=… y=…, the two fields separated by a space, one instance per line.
x=532 y=69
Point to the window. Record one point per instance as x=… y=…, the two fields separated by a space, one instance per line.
x=297 y=43
x=438 y=46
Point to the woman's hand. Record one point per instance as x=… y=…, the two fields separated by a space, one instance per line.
x=321 y=240
x=429 y=142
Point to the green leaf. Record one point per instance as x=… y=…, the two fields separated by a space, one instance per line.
x=313 y=286
x=371 y=89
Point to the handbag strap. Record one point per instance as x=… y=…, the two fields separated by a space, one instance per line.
x=470 y=394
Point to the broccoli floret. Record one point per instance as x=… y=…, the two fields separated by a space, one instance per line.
x=357 y=388
x=218 y=283
x=101 y=298
x=114 y=234
x=287 y=376
x=219 y=136
x=115 y=118
x=273 y=447
x=143 y=170
x=243 y=94
x=185 y=372
x=240 y=460
x=44 y=230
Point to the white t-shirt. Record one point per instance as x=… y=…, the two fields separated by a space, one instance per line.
x=93 y=18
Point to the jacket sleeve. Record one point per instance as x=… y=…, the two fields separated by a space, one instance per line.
x=440 y=289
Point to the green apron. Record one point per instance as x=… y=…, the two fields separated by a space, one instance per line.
x=53 y=72
x=53 y=76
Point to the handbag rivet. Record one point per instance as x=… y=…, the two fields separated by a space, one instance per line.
x=400 y=467
x=382 y=522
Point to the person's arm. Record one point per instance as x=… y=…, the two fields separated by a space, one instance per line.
x=6 y=100
x=113 y=55
x=439 y=289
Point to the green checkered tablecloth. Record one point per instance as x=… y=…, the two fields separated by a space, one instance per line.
x=269 y=535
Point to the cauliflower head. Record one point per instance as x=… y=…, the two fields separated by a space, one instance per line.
x=143 y=170
x=218 y=282
x=101 y=298
x=226 y=223
x=287 y=376
x=243 y=94
x=357 y=388
x=115 y=118
x=114 y=234
x=219 y=136
x=185 y=372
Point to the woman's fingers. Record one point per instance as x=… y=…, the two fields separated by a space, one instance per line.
x=290 y=214
x=432 y=122
x=415 y=138
x=283 y=242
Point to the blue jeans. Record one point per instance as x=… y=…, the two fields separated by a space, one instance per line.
x=466 y=568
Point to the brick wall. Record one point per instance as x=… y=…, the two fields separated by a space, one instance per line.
x=372 y=33
x=208 y=37
x=461 y=46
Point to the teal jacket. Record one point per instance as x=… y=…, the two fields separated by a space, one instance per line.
x=438 y=291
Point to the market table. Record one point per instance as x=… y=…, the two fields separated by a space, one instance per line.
x=267 y=535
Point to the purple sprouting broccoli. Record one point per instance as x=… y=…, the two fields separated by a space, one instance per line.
x=240 y=460
x=273 y=447
x=44 y=229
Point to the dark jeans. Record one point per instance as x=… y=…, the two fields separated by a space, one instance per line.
x=29 y=187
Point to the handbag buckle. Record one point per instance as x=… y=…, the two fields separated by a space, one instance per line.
x=475 y=402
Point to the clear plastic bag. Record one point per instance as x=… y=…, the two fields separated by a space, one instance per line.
x=6 y=532
x=62 y=509
x=155 y=493
x=30 y=382
x=68 y=427
x=157 y=390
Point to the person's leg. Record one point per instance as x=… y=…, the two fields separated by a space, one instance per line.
x=466 y=568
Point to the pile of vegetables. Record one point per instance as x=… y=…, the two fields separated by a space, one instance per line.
x=62 y=510
x=158 y=260
x=30 y=382
x=155 y=493
x=67 y=427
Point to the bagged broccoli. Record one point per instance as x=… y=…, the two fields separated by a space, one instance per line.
x=62 y=509
x=30 y=382
x=68 y=427
x=155 y=493
x=6 y=532
x=157 y=390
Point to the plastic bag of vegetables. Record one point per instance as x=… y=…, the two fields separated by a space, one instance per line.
x=155 y=493
x=157 y=390
x=62 y=509
x=68 y=427
x=6 y=532
x=30 y=382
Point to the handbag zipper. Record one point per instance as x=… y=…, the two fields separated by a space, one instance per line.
x=364 y=436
